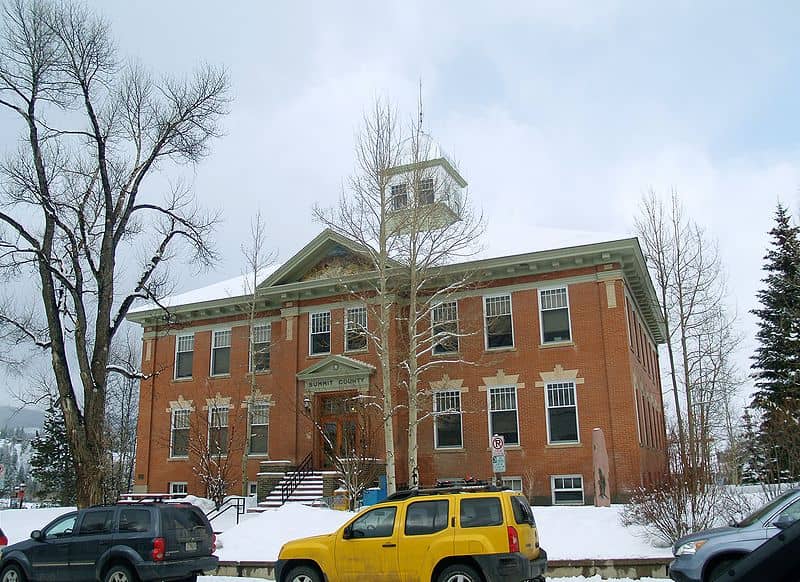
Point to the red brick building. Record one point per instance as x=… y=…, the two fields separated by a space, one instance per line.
x=559 y=342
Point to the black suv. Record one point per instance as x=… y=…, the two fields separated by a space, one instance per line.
x=119 y=543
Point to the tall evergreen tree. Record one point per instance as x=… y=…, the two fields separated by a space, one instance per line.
x=776 y=363
x=52 y=464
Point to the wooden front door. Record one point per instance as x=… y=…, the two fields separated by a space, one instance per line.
x=339 y=424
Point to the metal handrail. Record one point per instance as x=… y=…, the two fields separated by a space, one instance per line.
x=303 y=470
x=239 y=504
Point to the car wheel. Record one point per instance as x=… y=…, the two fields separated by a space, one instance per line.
x=303 y=574
x=720 y=570
x=12 y=573
x=459 y=573
x=119 y=573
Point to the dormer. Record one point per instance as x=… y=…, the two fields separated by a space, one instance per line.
x=427 y=192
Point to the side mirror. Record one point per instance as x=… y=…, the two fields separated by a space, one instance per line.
x=783 y=522
x=37 y=535
x=348 y=532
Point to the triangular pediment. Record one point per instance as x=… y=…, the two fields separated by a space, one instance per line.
x=329 y=256
x=336 y=367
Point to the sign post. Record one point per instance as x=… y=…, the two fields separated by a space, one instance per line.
x=498 y=446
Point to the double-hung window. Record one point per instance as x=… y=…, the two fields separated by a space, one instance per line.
x=425 y=191
x=259 y=347
x=178 y=488
x=444 y=325
x=503 y=413
x=218 y=430
x=320 y=333
x=499 y=326
x=554 y=315
x=259 y=428
x=399 y=196
x=562 y=413
x=184 y=355
x=221 y=352
x=179 y=433
x=567 y=489
x=447 y=419
x=355 y=328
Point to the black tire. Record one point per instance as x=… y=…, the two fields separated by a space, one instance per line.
x=720 y=570
x=12 y=573
x=459 y=573
x=303 y=574
x=119 y=573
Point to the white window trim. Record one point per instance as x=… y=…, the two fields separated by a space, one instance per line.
x=250 y=427
x=211 y=359
x=175 y=360
x=577 y=414
x=553 y=489
x=458 y=339
x=347 y=348
x=172 y=431
x=489 y=411
x=211 y=410
x=172 y=485
x=267 y=324
x=461 y=416
x=541 y=320
x=510 y=296
x=311 y=327
x=513 y=478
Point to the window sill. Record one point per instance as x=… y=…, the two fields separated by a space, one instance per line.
x=509 y=448
x=358 y=351
x=260 y=372
x=184 y=379
x=449 y=450
x=502 y=349
x=446 y=355
x=216 y=376
x=258 y=455
x=174 y=459
x=563 y=445
x=557 y=344
x=321 y=355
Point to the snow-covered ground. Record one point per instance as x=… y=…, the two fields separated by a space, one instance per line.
x=566 y=533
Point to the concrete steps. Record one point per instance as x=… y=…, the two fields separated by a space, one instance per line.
x=309 y=490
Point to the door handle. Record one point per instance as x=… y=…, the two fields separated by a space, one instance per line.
x=389 y=545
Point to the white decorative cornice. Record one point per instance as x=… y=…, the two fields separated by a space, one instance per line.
x=447 y=383
x=501 y=379
x=180 y=404
x=218 y=401
x=559 y=374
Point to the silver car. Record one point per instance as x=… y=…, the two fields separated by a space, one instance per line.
x=705 y=556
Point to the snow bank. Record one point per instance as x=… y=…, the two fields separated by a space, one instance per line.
x=260 y=538
x=574 y=533
x=18 y=524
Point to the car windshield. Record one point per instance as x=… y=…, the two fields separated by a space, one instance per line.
x=762 y=512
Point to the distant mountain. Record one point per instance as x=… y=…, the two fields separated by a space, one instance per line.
x=11 y=417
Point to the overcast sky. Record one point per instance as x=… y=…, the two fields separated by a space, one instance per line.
x=560 y=114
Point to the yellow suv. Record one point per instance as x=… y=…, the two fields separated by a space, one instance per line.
x=437 y=535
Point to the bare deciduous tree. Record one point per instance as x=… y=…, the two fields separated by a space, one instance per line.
x=412 y=220
x=78 y=213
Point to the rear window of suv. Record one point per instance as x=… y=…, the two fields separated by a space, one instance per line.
x=522 y=511
x=481 y=512
x=182 y=519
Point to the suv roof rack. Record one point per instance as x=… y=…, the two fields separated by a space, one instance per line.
x=408 y=493
x=148 y=497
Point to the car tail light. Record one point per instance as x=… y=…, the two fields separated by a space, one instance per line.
x=513 y=540
x=213 y=543
x=3 y=540
x=159 y=548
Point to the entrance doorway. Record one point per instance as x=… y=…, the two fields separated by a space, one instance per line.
x=340 y=428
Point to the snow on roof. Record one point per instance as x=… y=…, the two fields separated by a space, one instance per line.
x=543 y=239
x=234 y=287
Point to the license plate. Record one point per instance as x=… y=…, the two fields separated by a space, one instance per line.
x=191 y=546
